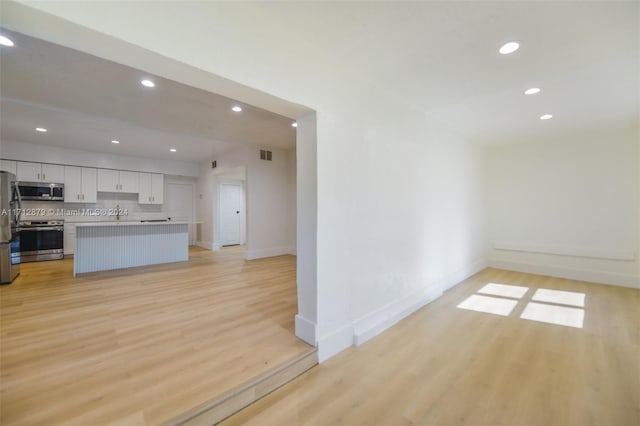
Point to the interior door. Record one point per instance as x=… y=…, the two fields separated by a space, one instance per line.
x=179 y=205
x=230 y=205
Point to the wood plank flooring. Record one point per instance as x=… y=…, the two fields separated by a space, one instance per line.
x=141 y=346
x=448 y=366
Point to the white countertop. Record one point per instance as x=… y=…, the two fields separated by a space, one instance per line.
x=132 y=223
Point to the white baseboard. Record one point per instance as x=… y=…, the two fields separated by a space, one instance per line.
x=378 y=321
x=205 y=244
x=306 y=330
x=573 y=274
x=216 y=246
x=269 y=252
x=385 y=317
x=293 y=251
x=335 y=342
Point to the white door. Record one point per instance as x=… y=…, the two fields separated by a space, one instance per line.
x=180 y=205
x=230 y=205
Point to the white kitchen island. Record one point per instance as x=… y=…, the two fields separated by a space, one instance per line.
x=102 y=246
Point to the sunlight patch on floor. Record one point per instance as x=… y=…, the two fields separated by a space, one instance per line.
x=490 y=305
x=560 y=297
x=512 y=291
x=551 y=314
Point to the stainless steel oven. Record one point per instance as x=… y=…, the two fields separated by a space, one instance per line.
x=41 y=191
x=41 y=240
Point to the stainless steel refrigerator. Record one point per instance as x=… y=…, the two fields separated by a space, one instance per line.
x=10 y=212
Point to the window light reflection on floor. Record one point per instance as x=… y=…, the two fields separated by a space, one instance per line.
x=490 y=305
x=560 y=297
x=552 y=314
x=512 y=291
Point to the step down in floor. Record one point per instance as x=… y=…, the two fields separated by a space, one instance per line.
x=236 y=399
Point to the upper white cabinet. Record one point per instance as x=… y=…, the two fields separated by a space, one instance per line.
x=80 y=186
x=8 y=166
x=117 y=181
x=129 y=182
x=151 y=187
x=37 y=172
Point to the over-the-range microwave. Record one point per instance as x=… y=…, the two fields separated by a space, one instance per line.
x=41 y=191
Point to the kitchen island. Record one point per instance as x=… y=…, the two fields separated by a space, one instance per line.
x=102 y=246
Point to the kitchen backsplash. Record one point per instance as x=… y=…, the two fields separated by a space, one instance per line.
x=104 y=210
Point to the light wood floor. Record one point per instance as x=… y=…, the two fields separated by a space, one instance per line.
x=141 y=349
x=448 y=366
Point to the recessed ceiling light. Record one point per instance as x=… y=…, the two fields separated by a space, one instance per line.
x=148 y=83
x=532 y=91
x=172 y=149
x=510 y=47
x=294 y=124
x=41 y=129
x=5 y=41
x=546 y=116
x=116 y=142
x=236 y=109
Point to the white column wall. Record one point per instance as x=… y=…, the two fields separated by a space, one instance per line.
x=397 y=216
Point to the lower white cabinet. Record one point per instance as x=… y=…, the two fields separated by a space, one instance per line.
x=69 y=238
x=151 y=187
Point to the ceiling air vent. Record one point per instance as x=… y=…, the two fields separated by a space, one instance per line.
x=265 y=155
x=214 y=164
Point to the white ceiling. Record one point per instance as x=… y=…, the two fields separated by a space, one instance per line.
x=442 y=58
x=85 y=102
x=438 y=57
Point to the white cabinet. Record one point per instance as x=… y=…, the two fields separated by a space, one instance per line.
x=37 y=172
x=80 y=186
x=117 y=181
x=29 y=172
x=53 y=173
x=89 y=188
x=129 y=182
x=151 y=186
x=69 y=238
x=8 y=166
x=108 y=180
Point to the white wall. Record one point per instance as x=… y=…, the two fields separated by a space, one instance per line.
x=51 y=154
x=567 y=207
x=399 y=198
x=269 y=212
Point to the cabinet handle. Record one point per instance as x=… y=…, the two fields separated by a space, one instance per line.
x=43 y=178
x=38 y=176
x=78 y=196
x=82 y=197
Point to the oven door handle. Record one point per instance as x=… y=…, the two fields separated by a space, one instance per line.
x=42 y=228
